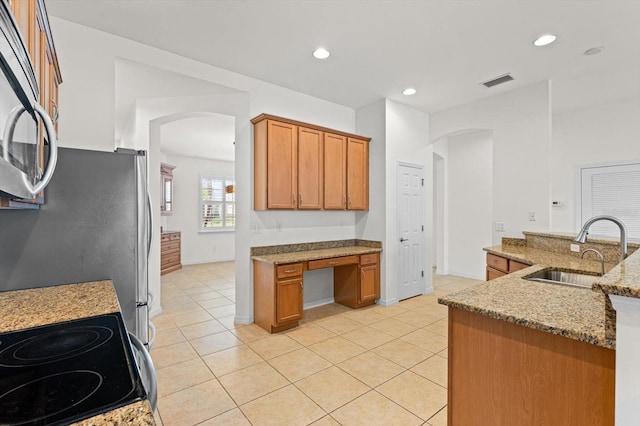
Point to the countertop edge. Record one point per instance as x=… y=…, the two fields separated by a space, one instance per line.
x=304 y=256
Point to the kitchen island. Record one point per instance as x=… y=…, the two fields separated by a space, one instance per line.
x=531 y=353
x=25 y=309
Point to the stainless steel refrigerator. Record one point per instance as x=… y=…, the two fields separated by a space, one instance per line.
x=95 y=225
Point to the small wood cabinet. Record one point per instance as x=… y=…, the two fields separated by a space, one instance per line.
x=358 y=285
x=498 y=266
x=278 y=290
x=170 y=252
x=277 y=295
x=303 y=166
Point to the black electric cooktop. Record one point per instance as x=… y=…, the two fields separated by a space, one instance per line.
x=66 y=372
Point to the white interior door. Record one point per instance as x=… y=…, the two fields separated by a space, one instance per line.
x=410 y=182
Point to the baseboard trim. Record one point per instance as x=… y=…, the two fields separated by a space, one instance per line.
x=243 y=320
x=201 y=261
x=317 y=303
x=387 y=302
x=428 y=290
x=463 y=275
x=155 y=312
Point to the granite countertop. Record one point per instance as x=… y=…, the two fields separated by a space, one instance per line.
x=532 y=256
x=22 y=309
x=304 y=256
x=166 y=231
x=567 y=311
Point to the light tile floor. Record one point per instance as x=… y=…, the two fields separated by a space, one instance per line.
x=376 y=365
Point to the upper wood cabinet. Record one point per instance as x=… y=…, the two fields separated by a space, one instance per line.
x=302 y=166
x=310 y=155
x=335 y=172
x=357 y=174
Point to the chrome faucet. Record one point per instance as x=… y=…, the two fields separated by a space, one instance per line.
x=599 y=255
x=582 y=236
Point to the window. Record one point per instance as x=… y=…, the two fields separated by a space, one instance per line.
x=217 y=204
x=612 y=190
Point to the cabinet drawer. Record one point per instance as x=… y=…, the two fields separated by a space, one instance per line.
x=291 y=270
x=335 y=261
x=369 y=259
x=516 y=266
x=494 y=273
x=172 y=259
x=169 y=245
x=497 y=262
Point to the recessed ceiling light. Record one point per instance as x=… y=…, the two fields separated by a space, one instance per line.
x=594 y=50
x=545 y=39
x=409 y=91
x=321 y=53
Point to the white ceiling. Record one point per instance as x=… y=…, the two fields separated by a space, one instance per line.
x=209 y=136
x=442 y=48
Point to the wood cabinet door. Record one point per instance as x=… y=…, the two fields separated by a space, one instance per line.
x=282 y=153
x=335 y=172
x=310 y=153
x=288 y=300
x=369 y=284
x=357 y=174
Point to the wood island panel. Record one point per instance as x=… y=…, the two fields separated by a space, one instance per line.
x=506 y=374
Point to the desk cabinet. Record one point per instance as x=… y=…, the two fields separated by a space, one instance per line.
x=277 y=295
x=278 y=290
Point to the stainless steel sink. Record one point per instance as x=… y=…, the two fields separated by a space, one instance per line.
x=556 y=276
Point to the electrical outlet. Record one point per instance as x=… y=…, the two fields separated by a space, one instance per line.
x=575 y=248
x=532 y=216
x=500 y=227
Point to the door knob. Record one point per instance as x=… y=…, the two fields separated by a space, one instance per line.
x=402 y=240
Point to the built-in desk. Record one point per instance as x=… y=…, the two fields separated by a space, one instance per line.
x=278 y=284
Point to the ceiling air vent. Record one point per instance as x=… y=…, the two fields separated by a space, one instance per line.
x=498 y=80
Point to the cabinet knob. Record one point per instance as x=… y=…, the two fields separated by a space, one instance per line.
x=301 y=286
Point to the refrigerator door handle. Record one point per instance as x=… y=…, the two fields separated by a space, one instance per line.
x=152 y=386
x=149 y=224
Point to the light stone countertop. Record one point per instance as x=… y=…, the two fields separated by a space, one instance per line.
x=22 y=309
x=304 y=256
x=567 y=311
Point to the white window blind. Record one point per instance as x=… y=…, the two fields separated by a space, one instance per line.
x=612 y=190
x=217 y=204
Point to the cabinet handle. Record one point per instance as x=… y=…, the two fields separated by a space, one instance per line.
x=300 y=198
x=362 y=275
x=289 y=271
x=55 y=110
x=334 y=262
x=349 y=200
x=301 y=286
x=344 y=201
x=293 y=198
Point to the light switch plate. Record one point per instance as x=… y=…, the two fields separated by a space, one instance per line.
x=500 y=227
x=575 y=248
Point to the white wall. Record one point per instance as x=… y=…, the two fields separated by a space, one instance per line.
x=521 y=124
x=599 y=134
x=87 y=97
x=469 y=175
x=197 y=247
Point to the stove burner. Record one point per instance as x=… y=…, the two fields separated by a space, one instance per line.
x=54 y=346
x=47 y=396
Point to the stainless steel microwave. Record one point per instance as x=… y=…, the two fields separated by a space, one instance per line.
x=20 y=112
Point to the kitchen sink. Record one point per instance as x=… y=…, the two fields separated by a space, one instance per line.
x=557 y=276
